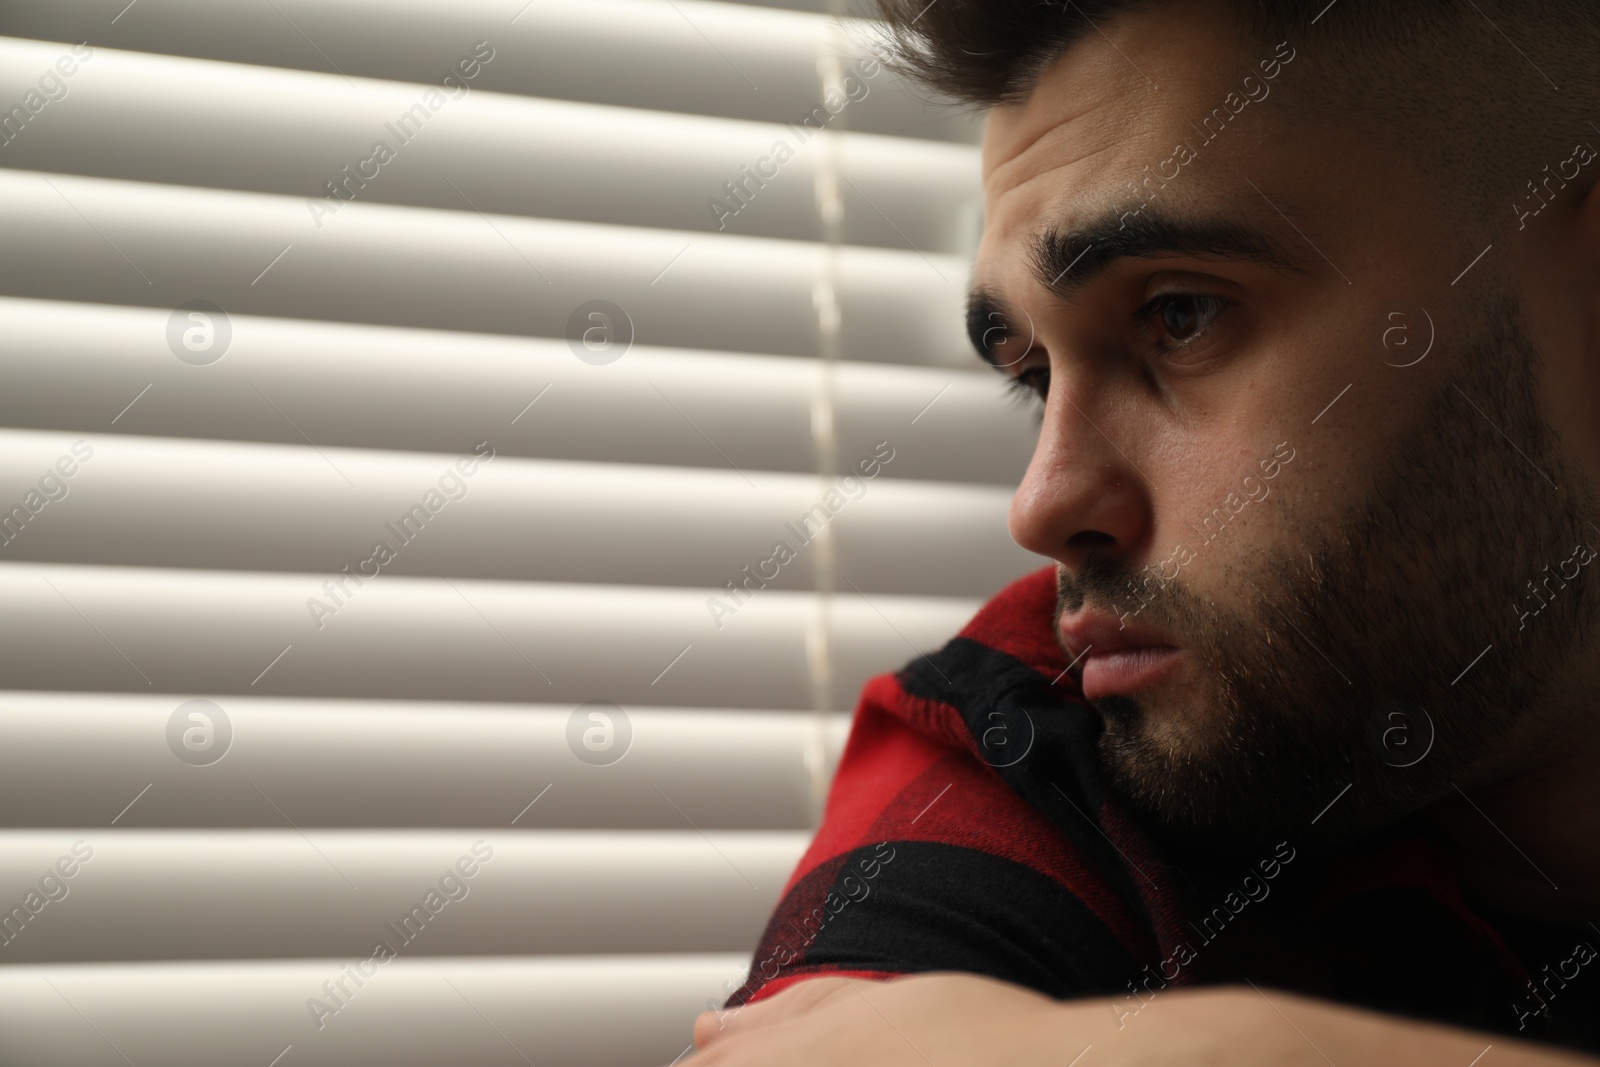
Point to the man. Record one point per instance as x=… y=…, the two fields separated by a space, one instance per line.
x=1292 y=758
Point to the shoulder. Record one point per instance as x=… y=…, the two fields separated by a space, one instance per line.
x=1019 y=622
x=958 y=834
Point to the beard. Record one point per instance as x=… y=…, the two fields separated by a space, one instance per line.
x=1381 y=661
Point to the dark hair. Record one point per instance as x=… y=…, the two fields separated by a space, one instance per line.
x=1464 y=89
x=989 y=52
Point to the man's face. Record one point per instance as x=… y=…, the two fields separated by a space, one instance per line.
x=1286 y=432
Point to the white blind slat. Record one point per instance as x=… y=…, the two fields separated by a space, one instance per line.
x=78 y=367
x=357 y=764
x=161 y=502
x=654 y=54
x=142 y=117
x=197 y=631
x=500 y=1013
x=262 y=254
x=156 y=894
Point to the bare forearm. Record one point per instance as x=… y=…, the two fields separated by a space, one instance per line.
x=1217 y=1025
x=979 y=1022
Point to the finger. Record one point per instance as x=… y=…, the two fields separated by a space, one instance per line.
x=708 y=1025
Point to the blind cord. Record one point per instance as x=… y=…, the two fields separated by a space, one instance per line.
x=824 y=437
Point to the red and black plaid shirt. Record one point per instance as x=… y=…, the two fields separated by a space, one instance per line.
x=969 y=829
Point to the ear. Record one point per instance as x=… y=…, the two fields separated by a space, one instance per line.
x=1588 y=235
x=1589 y=208
x=1582 y=288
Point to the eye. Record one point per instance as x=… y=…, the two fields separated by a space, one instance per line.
x=1179 y=319
x=997 y=351
x=1031 y=384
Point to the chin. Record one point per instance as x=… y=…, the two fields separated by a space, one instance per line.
x=1225 y=781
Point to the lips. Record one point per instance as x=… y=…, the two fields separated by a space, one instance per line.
x=1114 y=658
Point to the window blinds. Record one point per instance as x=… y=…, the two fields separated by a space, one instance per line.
x=458 y=464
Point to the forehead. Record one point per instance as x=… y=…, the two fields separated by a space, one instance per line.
x=1119 y=100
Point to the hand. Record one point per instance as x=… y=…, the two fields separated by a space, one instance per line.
x=962 y=1020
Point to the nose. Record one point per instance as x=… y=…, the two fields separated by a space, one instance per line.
x=1080 y=493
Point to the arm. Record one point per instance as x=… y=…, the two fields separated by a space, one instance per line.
x=960 y=1020
x=928 y=861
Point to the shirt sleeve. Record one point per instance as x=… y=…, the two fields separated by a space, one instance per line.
x=928 y=860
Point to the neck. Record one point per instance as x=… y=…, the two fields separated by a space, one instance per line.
x=1529 y=843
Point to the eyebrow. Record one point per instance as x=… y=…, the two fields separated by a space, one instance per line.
x=1066 y=261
